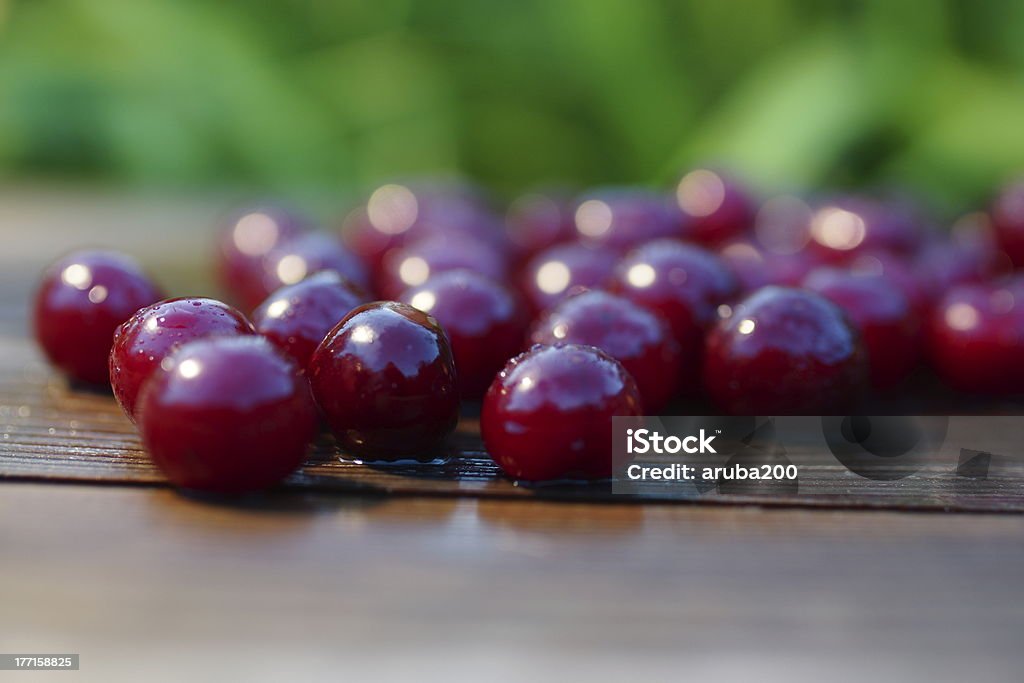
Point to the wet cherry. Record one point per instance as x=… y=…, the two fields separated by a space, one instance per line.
x=81 y=300
x=538 y=221
x=562 y=270
x=411 y=265
x=152 y=333
x=682 y=283
x=976 y=337
x=971 y=253
x=227 y=415
x=385 y=380
x=396 y=214
x=715 y=208
x=296 y=318
x=782 y=225
x=484 y=320
x=303 y=256
x=888 y=321
x=623 y=217
x=854 y=223
x=777 y=253
x=634 y=336
x=548 y=414
x=245 y=239
x=784 y=351
x=1008 y=220
x=899 y=273
x=943 y=265
x=755 y=266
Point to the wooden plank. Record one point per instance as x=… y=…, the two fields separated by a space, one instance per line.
x=148 y=586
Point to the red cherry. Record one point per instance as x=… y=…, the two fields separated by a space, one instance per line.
x=888 y=322
x=548 y=414
x=397 y=214
x=299 y=258
x=715 y=207
x=943 y=265
x=227 y=415
x=621 y=218
x=899 y=273
x=81 y=300
x=748 y=263
x=756 y=267
x=777 y=253
x=1008 y=220
x=976 y=337
x=851 y=224
x=538 y=221
x=385 y=380
x=784 y=352
x=245 y=240
x=682 y=283
x=411 y=265
x=296 y=318
x=783 y=225
x=562 y=270
x=485 y=323
x=153 y=333
x=634 y=336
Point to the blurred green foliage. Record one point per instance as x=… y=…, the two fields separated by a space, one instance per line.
x=288 y=94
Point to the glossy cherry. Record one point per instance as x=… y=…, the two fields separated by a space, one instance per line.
x=943 y=265
x=622 y=218
x=976 y=337
x=548 y=414
x=385 y=380
x=227 y=415
x=245 y=239
x=484 y=320
x=303 y=256
x=634 y=336
x=900 y=274
x=81 y=300
x=854 y=223
x=783 y=225
x=682 y=283
x=888 y=321
x=153 y=333
x=411 y=265
x=296 y=318
x=755 y=266
x=784 y=351
x=1008 y=220
x=538 y=221
x=398 y=213
x=563 y=269
x=715 y=207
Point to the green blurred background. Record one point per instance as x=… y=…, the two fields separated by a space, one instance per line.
x=317 y=95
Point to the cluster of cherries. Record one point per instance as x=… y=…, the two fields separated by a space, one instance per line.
x=560 y=314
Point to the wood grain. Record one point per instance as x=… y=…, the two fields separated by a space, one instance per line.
x=146 y=585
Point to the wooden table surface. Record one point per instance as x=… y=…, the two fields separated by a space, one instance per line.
x=333 y=582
